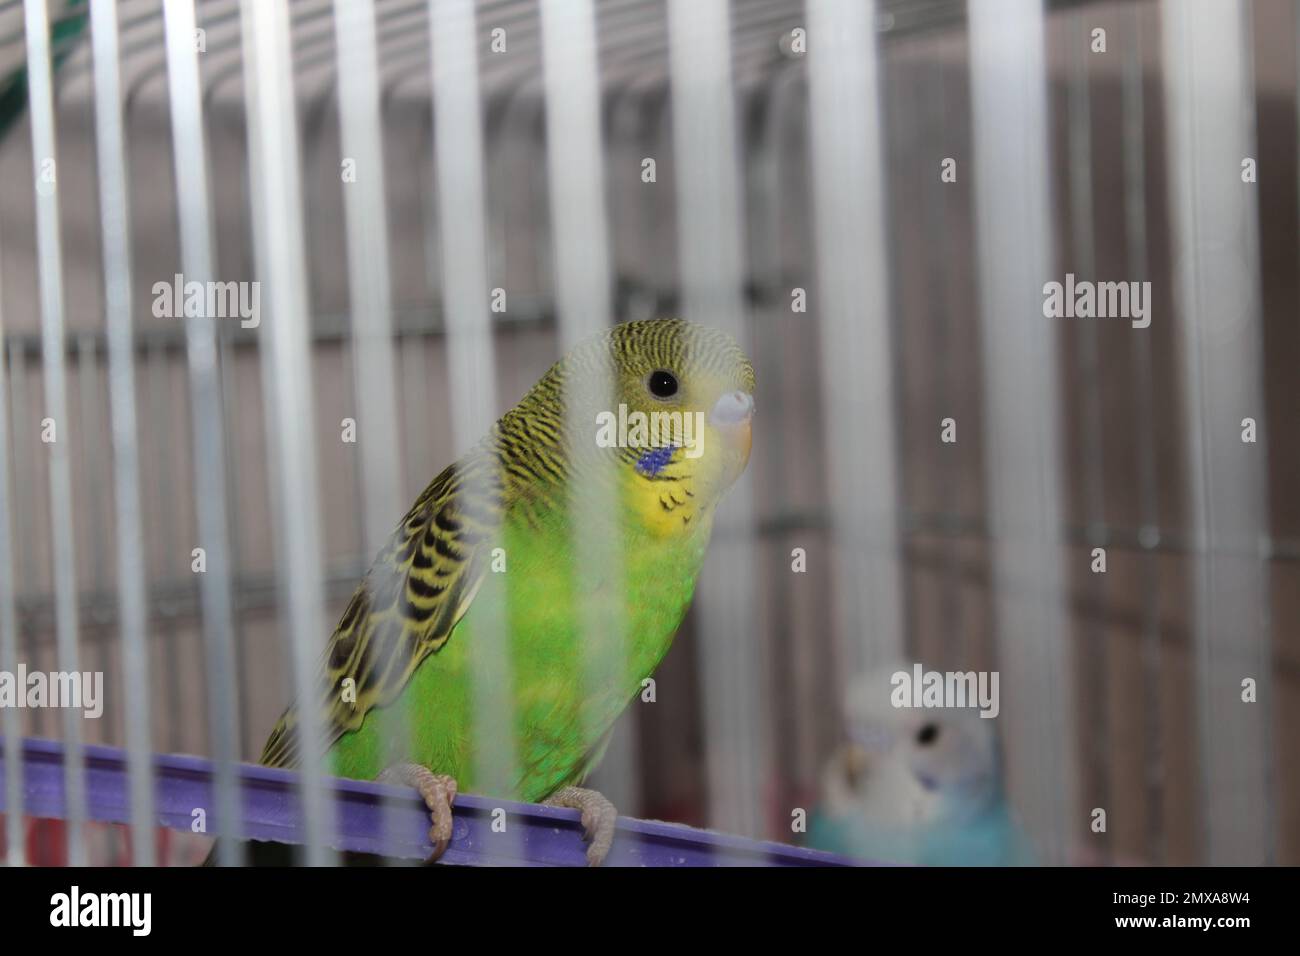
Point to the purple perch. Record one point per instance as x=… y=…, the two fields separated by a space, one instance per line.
x=550 y=837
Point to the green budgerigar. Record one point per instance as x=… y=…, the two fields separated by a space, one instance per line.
x=406 y=651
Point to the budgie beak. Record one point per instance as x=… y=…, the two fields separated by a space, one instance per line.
x=732 y=415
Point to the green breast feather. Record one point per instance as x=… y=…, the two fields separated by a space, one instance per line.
x=558 y=717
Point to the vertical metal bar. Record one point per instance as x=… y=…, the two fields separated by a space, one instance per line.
x=456 y=116
x=198 y=263
x=853 y=276
x=1022 y=412
x=462 y=244
x=114 y=215
x=369 y=285
x=619 y=776
x=44 y=161
x=275 y=178
x=712 y=275
x=1135 y=230
x=12 y=726
x=1211 y=123
x=1093 y=662
x=580 y=241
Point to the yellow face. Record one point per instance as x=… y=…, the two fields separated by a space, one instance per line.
x=684 y=419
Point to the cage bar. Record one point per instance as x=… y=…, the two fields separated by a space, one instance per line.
x=115 y=218
x=580 y=240
x=277 y=210
x=857 y=377
x=1210 y=116
x=471 y=366
x=369 y=284
x=1022 y=413
x=198 y=264
x=711 y=269
x=368 y=275
x=67 y=625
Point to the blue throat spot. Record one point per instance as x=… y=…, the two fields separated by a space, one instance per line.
x=655 y=460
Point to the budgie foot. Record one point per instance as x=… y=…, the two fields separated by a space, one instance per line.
x=598 y=817
x=439 y=793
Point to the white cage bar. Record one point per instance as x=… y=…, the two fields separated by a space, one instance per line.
x=471 y=364
x=115 y=219
x=1210 y=116
x=857 y=378
x=1022 y=416
x=580 y=242
x=711 y=269
x=40 y=71
x=198 y=264
x=277 y=206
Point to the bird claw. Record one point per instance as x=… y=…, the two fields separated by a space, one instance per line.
x=598 y=816
x=438 y=792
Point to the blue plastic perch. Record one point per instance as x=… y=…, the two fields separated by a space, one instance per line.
x=375 y=818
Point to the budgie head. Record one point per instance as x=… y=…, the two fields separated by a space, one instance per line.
x=925 y=764
x=663 y=404
x=915 y=785
x=953 y=754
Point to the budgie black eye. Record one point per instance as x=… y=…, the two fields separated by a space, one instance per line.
x=662 y=383
x=927 y=735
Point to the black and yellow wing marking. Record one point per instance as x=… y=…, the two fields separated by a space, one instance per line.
x=418 y=588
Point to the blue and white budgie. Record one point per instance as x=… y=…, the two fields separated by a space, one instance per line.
x=916 y=786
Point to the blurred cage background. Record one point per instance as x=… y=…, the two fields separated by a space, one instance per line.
x=796 y=146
